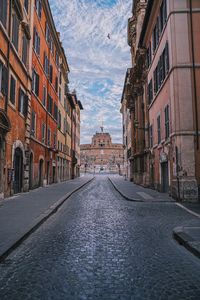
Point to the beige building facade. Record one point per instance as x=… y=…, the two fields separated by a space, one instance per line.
x=163 y=96
x=102 y=154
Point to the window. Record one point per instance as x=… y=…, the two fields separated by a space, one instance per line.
x=149 y=56
x=38 y=7
x=150 y=92
x=50 y=104
x=54 y=140
x=24 y=49
x=151 y=136
x=26 y=5
x=35 y=83
x=57 y=59
x=43 y=133
x=23 y=103
x=47 y=33
x=60 y=79
x=12 y=89
x=51 y=73
x=56 y=84
x=15 y=31
x=158 y=129
x=166 y=58
x=163 y=14
x=51 y=46
x=33 y=123
x=36 y=41
x=46 y=64
x=3 y=12
x=167 y=121
x=55 y=112
x=44 y=97
x=48 y=137
x=161 y=69
x=60 y=94
x=3 y=79
x=59 y=120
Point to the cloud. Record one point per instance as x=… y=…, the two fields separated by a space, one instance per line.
x=97 y=63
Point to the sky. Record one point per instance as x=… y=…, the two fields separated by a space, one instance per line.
x=97 y=63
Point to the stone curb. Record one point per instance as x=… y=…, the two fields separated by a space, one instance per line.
x=40 y=220
x=122 y=194
x=186 y=240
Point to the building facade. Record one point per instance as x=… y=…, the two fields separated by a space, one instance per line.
x=102 y=155
x=34 y=149
x=164 y=93
x=15 y=95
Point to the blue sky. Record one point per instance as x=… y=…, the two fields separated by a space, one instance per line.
x=97 y=64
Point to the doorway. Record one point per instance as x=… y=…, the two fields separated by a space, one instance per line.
x=41 y=172
x=165 y=177
x=18 y=171
x=31 y=171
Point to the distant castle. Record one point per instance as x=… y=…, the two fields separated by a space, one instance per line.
x=102 y=154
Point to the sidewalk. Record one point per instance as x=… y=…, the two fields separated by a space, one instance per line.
x=189 y=237
x=134 y=192
x=24 y=213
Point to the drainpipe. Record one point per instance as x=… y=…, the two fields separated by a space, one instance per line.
x=194 y=77
x=8 y=52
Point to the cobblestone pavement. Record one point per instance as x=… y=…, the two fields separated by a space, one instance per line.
x=99 y=246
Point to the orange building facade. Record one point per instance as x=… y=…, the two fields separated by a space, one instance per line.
x=15 y=97
x=33 y=89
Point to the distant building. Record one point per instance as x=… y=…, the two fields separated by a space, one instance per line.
x=102 y=154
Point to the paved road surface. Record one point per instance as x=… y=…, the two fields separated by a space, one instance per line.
x=100 y=246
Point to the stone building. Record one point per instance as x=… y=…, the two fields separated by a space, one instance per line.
x=163 y=95
x=102 y=154
x=15 y=94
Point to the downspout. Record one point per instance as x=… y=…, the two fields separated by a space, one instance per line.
x=8 y=52
x=194 y=77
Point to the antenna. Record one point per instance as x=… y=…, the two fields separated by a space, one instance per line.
x=101 y=125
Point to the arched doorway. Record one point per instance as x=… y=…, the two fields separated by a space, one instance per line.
x=18 y=170
x=41 y=162
x=31 y=171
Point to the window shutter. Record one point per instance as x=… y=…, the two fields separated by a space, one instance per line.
x=37 y=84
x=167 y=57
x=38 y=45
x=34 y=38
x=40 y=9
x=25 y=108
x=51 y=73
x=19 y=101
x=4 y=85
x=3 y=12
x=12 y=90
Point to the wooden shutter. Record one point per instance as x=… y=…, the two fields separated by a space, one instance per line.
x=15 y=31
x=19 y=101
x=4 y=82
x=12 y=90
x=3 y=12
x=25 y=106
x=37 y=84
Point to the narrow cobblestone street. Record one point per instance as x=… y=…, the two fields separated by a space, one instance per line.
x=100 y=246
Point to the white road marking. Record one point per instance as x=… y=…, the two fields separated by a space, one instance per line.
x=188 y=210
x=145 y=195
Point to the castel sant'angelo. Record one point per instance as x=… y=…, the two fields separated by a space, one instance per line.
x=102 y=154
